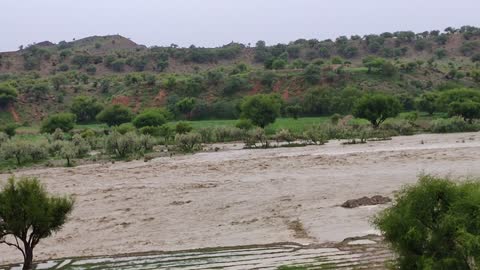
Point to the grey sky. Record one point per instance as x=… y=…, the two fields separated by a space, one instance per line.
x=217 y=22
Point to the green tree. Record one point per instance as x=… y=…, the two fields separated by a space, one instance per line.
x=294 y=110
x=469 y=110
x=427 y=103
x=115 y=115
x=29 y=214
x=58 y=81
x=312 y=74
x=63 y=121
x=8 y=94
x=261 y=109
x=376 y=108
x=85 y=108
x=149 y=118
x=434 y=225
x=185 y=106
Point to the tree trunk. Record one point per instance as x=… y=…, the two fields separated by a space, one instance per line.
x=27 y=264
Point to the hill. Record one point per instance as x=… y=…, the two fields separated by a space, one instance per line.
x=114 y=69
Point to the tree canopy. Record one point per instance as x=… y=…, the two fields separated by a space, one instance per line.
x=434 y=225
x=376 y=108
x=261 y=109
x=8 y=94
x=115 y=115
x=28 y=214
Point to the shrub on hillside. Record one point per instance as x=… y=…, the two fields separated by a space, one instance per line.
x=63 y=121
x=85 y=108
x=8 y=94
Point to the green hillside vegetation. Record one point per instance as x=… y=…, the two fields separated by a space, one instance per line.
x=116 y=99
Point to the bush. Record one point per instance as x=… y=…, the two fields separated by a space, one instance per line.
x=189 y=142
x=450 y=125
x=261 y=109
x=125 y=145
x=63 y=121
x=223 y=134
x=399 y=127
x=150 y=118
x=254 y=137
x=316 y=135
x=244 y=124
x=150 y=130
x=207 y=134
x=115 y=115
x=434 y=225
x=9 y=129
x=23 y=151
x=284 y=135
x=125 y=128
x=8 y=94
x=183 y=127
x=85 y=108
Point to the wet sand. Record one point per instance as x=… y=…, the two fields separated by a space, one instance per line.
x=240 y=197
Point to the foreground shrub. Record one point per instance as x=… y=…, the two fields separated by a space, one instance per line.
x=434 y=225
x=223 y=134
x=454 y=124
x=63 y=121
x=189 y=142
x=125 y=128
x=244 y=124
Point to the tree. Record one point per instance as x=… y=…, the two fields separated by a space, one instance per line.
x=149 y=118
x=469 y=110
x=85 y=108
x=376 y=108
x=294 y=110
x=185 y=106
x=63 y=121
x=58 y=81
x=29 y=214
x=10 y=129
x=427 y=103
x=261 y=109
x=434 y=225
x=115 y=115
x=8 y=94
x=312 y=74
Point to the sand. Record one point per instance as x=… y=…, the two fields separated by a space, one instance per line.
x=240 y=197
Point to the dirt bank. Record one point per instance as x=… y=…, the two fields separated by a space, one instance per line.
x=241 y=197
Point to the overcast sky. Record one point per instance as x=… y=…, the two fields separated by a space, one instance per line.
x=217 y=22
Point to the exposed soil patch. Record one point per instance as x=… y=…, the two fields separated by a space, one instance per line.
x=375 y=200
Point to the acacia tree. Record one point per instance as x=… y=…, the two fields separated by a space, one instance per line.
x=376 y=108
x=29 y=214
x=434 y=225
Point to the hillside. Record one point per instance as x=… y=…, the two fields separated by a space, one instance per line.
x=114 y=69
